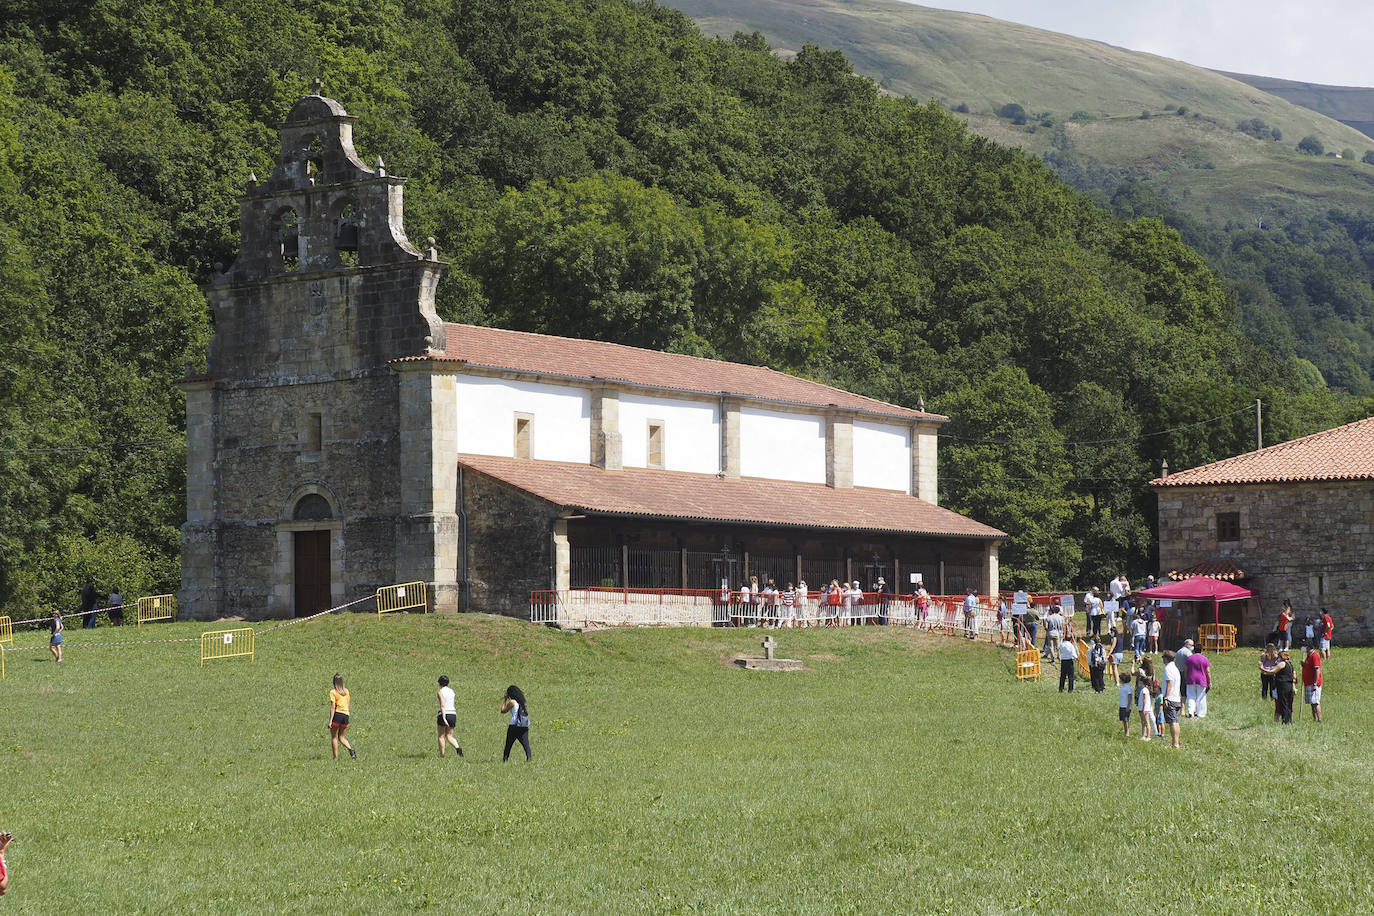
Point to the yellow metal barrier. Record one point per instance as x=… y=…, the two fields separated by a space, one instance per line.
x=1082 y=663
x=226 y=644
x=1028 y=664
x=406 y=597
x=6 y=631
x=1217 y=637
x=155 y=607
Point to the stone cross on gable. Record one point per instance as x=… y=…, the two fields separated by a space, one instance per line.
x=769 y=644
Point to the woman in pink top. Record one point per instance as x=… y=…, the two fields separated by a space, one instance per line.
x=1197 y=679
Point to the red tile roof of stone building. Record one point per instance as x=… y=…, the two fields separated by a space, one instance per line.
x=1343 y=453
x=1224 y=570
x=749 y=500
x=567 y=357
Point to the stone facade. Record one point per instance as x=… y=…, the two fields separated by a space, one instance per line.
x=1311 y=542
x=294 y=434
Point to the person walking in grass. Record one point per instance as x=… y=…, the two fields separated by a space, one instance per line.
x=1312 y=682
x=448 y=717
x=4 y=870
x=1328 y=627
x=340 y=700
x=1124 y=703
x=55 y=640
x=519 y=728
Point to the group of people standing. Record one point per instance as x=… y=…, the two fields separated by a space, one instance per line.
x=772 y=607
x=513 y=703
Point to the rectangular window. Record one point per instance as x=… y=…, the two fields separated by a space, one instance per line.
x=524 y=435
x=655 y=444
x=1228 y=526
x=314 y=433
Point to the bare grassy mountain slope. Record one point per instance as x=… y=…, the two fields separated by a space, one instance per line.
x=1351 y=105
x=1101 y=108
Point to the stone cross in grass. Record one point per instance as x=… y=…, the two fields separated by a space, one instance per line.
x=769 y=644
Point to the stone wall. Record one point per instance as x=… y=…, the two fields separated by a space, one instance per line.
x=1310 y=542
x=510 y=545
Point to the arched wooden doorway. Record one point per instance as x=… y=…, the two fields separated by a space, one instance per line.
x=311 y=576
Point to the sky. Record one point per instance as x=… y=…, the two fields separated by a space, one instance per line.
x=1327 y=42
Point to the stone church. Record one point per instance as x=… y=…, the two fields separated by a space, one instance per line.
x=344 y=437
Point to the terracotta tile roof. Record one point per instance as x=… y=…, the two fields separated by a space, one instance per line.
x=776 y=503
x=1224 y=570
x=569 y=357
x=1343 y=453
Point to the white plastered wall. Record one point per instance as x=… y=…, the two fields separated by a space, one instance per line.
x=882 y=456
x=691 y=433
x=782 y=446
x=562 y=426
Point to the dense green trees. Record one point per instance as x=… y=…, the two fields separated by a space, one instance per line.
x=598 y=168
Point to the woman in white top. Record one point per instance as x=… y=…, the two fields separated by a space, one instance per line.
x=448 y=717
x=803 y=609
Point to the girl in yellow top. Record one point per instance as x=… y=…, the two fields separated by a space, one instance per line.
x=339 y=699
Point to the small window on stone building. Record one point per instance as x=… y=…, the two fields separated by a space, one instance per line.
x=314 y=433
x=655 y=443
x=524 y=435
x=289 y=236
x=1228 y=526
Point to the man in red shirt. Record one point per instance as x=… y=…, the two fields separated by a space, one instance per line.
x=1327 y=626
x=1312 y=682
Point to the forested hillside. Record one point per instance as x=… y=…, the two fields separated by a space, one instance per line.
x=592 y=168
x=1275 y=194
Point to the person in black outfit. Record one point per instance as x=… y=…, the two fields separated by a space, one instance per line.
x=1283 y=688
x=88 y=600
x=519 y=727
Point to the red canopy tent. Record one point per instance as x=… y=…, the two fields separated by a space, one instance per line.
x=1200 y=588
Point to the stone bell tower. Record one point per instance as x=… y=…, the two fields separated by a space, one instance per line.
x=295 y=433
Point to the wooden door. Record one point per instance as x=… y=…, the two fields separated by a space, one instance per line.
x=311 y=577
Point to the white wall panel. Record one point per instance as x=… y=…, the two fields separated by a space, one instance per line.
x=882 y=456
x=691 y=433
x=782 y=446
x=562 y=429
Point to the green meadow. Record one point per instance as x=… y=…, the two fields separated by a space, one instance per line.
x=901 y=772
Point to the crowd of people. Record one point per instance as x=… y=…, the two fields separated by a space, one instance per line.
x=1180 y=689
x=837 y=604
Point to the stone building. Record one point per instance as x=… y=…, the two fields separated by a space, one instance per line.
x=1293 y=520
x=344 y=437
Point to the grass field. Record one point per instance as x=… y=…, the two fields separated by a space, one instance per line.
x=900 y=773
